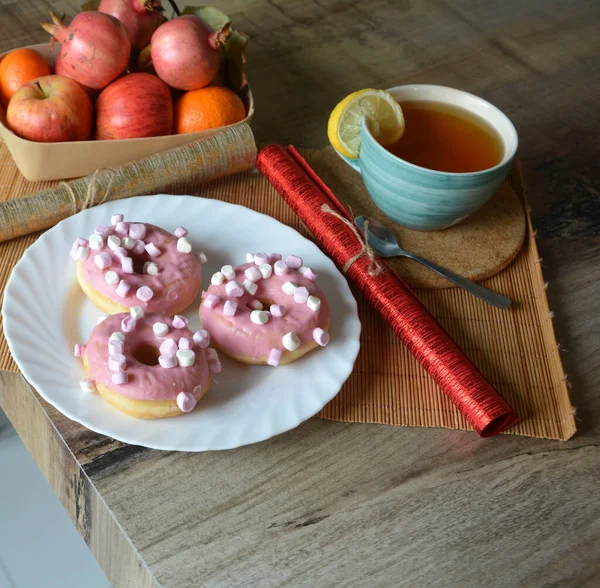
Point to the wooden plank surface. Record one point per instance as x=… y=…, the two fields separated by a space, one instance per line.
x=331 y=504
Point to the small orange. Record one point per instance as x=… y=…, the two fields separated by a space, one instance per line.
x=207 y=108
x=19 y=67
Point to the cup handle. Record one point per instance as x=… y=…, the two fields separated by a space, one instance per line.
x=353 y=163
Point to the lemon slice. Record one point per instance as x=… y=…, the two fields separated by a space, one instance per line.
x=383 y=114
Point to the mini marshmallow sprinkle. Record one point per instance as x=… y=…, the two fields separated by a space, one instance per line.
x=202 y=257
x=152 y=250
x=274 y=357
x=277 y=310
x=179 y=322
x=289 y=287
x=214 y=365
x=253 y=273
x=115 y=347
x=249 y=257
x=120 y=378
x=113 y=242
x=160 y=329
x=185 y=343
x=122 y=228
x=230 y=308
x=111 y=277
x=211 y=301
x=228 y=272
x=103 y=230
x=202 y=338
x=259 y=317
x=87 y=386
x=168 y=348
x=117 y=336
x=116 y=218
x=137 y=312
x=123 y=288
x=128 y=243
x=96 y=242
x=185 y=357
x=117 y=362
x=211 y=354
x=79 y=350
x=274 y=257
x=310 y=274
x=150 y=268
x=260 y=258
x=184 y=245
x=120 y=253
x=137 y=231
x=82 y=253
x=313 y=303
x=139 y=247
x=301 y=295
x=186 y=401
x=255 y=305
x=79 y=242
x=180 y=232
x=234 y=290
x=321 y=336
x=280 y=268
x=266 y=270
x=167 y=361
x=102 y=260
x=217 y=279
x=144 y=293
x=128 y=324
x=127 y=265
x=293 y=261
x=290 y=341
x=250 y=287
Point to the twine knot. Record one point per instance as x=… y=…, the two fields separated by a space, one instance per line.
x=90 y=197
x=375 y=268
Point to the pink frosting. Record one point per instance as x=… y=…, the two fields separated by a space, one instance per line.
x=145 y=382
x=178 y=277
x=238 y=335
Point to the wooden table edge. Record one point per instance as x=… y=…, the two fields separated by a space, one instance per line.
x=92 y=517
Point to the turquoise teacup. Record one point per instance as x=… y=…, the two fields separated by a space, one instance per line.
x=424 y=199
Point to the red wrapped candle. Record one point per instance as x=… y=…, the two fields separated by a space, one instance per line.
x=333 y=228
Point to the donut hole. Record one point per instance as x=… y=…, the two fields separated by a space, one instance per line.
x=139 y=259
x=146 y=354
x=266 y=302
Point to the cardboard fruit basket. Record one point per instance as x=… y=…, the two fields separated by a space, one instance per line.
x=54 y=161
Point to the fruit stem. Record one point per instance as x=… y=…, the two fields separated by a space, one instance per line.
x=152 y=5
x=218 y=39
x=54 y=27
x=175 y=7
x=39 y=87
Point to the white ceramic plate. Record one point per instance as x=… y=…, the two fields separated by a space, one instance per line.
x=45 y=313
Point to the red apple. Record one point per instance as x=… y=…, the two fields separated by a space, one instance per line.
x=51 y=109
x=136 y=105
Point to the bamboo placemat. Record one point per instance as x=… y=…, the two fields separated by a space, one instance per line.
x=515 y=350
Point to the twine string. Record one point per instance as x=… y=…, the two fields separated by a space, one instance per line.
x=92 y=189
x=375 y=268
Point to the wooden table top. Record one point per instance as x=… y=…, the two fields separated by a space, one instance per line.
x=333 y=504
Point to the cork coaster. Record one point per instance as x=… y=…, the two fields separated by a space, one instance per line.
x=477 y=248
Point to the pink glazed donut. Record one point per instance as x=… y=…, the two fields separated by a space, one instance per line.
x=138 y=264
x=150 y=367
x=266 y=311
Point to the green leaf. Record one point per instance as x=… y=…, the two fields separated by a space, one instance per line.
x=214 y=17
